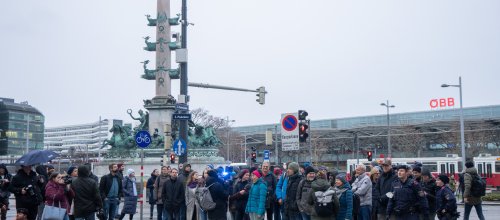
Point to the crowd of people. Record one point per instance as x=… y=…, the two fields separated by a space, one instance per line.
x=381 y=191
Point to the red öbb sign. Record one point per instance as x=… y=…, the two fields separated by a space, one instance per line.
x=442 y=102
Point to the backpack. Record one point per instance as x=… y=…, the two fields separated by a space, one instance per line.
x=204 y=198
x=478 y=186
x=324 y=205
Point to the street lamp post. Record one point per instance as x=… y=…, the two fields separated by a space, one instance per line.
x=462 y=136
x=227 y=135
x=388 y=128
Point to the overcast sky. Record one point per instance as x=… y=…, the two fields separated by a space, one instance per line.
x=78 y=60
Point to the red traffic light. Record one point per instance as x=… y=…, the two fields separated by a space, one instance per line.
x=369 y=153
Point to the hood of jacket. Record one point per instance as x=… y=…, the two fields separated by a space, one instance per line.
x=83 y=171
x=211 y=180
x=5 y=168
x=41 y=170
x=320 y=185
x=471 y=171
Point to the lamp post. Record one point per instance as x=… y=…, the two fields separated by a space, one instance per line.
x=227 y=135
x=388 y=128
x=462 y=136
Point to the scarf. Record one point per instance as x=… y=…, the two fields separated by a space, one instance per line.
x=339 y=192
x=192 y=184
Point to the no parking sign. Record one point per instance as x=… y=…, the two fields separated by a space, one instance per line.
x=289 y=132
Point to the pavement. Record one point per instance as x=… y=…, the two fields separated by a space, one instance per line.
x=491 y=210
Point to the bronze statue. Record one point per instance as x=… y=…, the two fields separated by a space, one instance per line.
x=143 y=118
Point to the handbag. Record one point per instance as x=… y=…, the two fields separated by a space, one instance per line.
x=52 y=212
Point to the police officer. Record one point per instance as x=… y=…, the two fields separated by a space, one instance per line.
x=407 y=200
x=446 y=203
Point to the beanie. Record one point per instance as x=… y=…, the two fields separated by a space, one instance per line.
x=341 y=177
x=70 y=170
x=417 y=169
x=256 y=173
x=130 y=171
x=309 y=169
x=426 y=172
x=294 y=166
x=444 y=179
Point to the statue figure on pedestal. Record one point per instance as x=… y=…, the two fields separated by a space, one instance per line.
x=143 y=118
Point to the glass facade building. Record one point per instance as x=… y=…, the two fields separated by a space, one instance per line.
x=22 y=127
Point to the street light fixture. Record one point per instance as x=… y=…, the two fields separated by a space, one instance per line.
x=462 y=136
x=388 y=128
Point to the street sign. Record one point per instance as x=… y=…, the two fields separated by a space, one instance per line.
x=179 y=147
x=182 y=107
x=266 y=155
x=143 y=139
x=289 y=132
x=181 y=116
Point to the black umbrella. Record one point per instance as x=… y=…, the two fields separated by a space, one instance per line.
x=36 y=157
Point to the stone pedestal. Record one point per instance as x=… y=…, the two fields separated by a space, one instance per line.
x=160 y=113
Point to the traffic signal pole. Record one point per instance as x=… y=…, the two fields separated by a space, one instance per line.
x=183 y=128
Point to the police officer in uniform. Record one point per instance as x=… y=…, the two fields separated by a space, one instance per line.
x=446 y=203
x=407 y=199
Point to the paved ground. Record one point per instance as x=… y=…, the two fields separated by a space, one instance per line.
x=490 y=211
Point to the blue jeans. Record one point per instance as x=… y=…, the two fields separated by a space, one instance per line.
x=88 y=217
x=305 y=216
x=171 y=215
x=110 y=208
x=294 y=216
x=182 y=212
x=364 y=212
x=203 y=214
x=479 y=211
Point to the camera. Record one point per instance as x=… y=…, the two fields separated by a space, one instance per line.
x=29 y=189
x=67 y=180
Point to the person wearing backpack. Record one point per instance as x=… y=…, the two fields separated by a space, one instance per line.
x=256 y=205
x=362 y=187
x=304 y=189
x=218 y=195
x=345 y=195
x=323 y=198
x=471 y=194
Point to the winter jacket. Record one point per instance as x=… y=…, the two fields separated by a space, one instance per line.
x=4 y=186
x=42 y=179
x=291 y=207
x=375 y=198
x=363 y=188
x=191 y=204
x=150 y=185
x=344 y=194
x=468 y=177
x=107 y=182
x=21 y=181
x=445 y=200
x=384 y=185
x=322 y=185
x=430 y=189
x=281 y=187
x=130 y=200
x=159 y=183
x=173 y=194
x=218 y=196
x=87 y=199
x=407 y=197
x=303 y=192
x=239 y=200
x=257 y=198
x=270 y=181
x=57 y=195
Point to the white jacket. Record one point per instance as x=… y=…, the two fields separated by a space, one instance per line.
x=363 y=188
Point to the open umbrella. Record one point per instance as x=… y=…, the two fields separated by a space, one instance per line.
x=36 y=157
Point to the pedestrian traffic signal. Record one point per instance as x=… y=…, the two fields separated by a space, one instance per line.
x=254 y=157
x=370 y=154
x=261 y=95
x=303 y=131
x=302 y=115
x=172 y=158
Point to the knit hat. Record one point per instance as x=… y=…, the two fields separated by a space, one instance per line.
x=444 y=179
x=417 y=169
x=469 y=164
x=257 y=173
x=70 y=170
x=426 y=172
x=309 y=169
x=386 y=161
x=130 y=171
x=294 y=166
x=210 y=166
x=342 y=178
x=242 y=173
x=277 y=171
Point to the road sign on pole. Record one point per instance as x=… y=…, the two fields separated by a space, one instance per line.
x=179 y=147
x=181 y=116
x=143 y=139
x=289 y=132
x=266 y=155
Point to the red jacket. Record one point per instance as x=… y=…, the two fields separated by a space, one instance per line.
x=56 y=194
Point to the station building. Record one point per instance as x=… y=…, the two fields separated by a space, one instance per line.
x=21 y=127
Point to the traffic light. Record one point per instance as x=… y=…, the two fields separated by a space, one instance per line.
x=302 y=115
x=172 y=158
x=254 y=157
x=369 y=156
x=303 y=131
x=261 y=95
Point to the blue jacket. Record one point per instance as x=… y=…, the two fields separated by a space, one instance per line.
x=407 y=197
x=345 y=200
x=281 y=187
x=257 y=198
x=445 y=200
